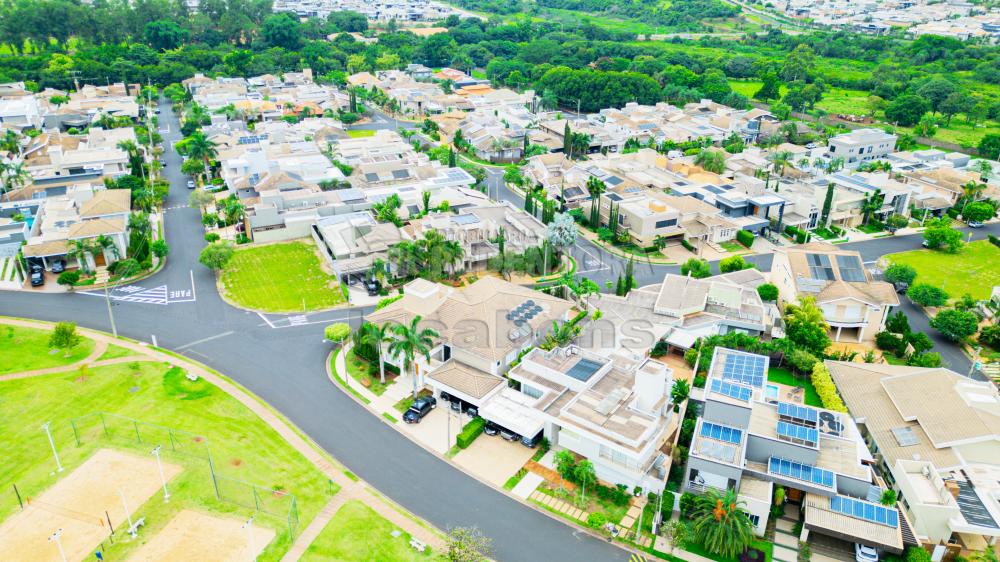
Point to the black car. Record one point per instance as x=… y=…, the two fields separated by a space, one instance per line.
x=491 y=428
x=420 y=408
x=58 y=266
x=509 y=435
x=373 y=287
x=456 y=405
x=37 y=276
x=532 y=442
x=472 y=411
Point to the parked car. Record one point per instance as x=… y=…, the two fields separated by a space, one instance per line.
x=925 y=244
x=456 y=405
x=901 y=287
x=190 y=184
x=420 y=408
x=491 y=428
x=532 y=442
x=811 y=145
x=156 y=111
x=472 y=411
x=58 y=266
x=864 y=553
x=37 y=276
x=445 y=396
x=975 y=224
x=509 y=435
x=373 y=287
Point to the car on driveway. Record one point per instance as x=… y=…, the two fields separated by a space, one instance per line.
x=509 y=435
x=864 y=553
x=58 y=266
x=420 y=408
x=190 y=184
x=37 y=276
x=975 y=224
x=532 y=442
x=491 y=428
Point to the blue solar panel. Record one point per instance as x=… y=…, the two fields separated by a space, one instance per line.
x=732 y=390
x=744 y=369
x=721 y=432
x=799 y=471
x=856 y=508
x=796 y=412
x=790 y=431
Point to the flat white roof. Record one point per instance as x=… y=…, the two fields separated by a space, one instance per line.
x=513 y=410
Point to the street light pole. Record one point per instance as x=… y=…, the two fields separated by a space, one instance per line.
x=52 y=443
x=163 y=479
x=250 y=548
x=128 y=514
x=56 y=538
x=111 y=315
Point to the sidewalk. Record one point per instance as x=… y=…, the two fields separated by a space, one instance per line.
x=349 y=488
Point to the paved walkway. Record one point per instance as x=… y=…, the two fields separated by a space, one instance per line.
x=350 y=489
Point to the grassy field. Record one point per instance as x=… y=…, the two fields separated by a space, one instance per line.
x=242 y=446
x=835 y=100
x=358 y=369
x=284 y=277
x=24 y=349
x=114 y=352
x=358 y=533
x=785 y=377
x=360 y=133
x=972 y=270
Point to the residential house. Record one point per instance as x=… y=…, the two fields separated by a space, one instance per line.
x=19 y=109
x=750 y=438
x=352 y=242
x=936 y=439
x=854 y=305
x=861 y=145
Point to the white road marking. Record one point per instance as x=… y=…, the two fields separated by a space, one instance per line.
x=194 y=296
x=209 y=338
x=154 y=340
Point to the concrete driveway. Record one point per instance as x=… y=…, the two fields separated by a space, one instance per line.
x=433 y=432
x=494 y=459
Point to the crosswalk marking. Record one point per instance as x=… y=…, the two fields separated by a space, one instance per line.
x=298 y=320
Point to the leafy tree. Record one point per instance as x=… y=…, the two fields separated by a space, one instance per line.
x=799 y=64
x=875 y=104
x=200 y=198
x=939 y=233
x=466 y=544
x=584 y=473
x=989 y=146
x=770 y=88
x=955 y=103
x=897 y=323
x=561 y=232
x=926 y=127
x=282 y=30
x=935 y=91
x=64 y=337
x=715 y=86
x=711 y=160
x=926 y=294
x=160 y=248
x=408 y=343
x=978 y=212
x=906 y=110
x=733 y=263
x=805 y=326
x=767 y=292
x=164 y=35
x=721 y=523
x=212 y=237
x=990 y=335
x=565 y=464
x=927 y=360
x=897 y=221
x=699 y=269
x=920 y=341
x=337 y=333
x=956 y=325
x=215 y=256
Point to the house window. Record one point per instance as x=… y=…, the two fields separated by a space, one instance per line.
x=665 y=223
x=755 y=519
x=532 y=392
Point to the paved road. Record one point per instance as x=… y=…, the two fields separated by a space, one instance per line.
x=281 y=358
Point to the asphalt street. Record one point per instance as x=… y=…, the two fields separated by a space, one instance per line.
x=281 y=359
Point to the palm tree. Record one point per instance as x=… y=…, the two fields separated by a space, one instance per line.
x=408 y=343
x=10 y=137
x=104 y=242
x=596 y=187
x=375 y=335
x=79 y=250
x=711 y=160
x=200 y=147
x=971 y=191
x=721 y=523
x=134 y=157
x=385 y=210
x=452 y=252
x=873 y=202
x=12 y=176
x=779 y=160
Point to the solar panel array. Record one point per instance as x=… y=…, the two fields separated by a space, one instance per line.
x=850 y=269
x=732 y=390
x=799 y=471
x=864 y=510
x=523 y=313
x=251 y=139
x=798 y=433
x=721 y=432
x=820 y=267
x=745 y=369
x=798 y=414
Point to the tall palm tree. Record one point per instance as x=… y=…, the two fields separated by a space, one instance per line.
x=13 y=175
x=375 y=335
x=9 y=142
x=780 y=160
x=79 y=250
x=410 y=342
x=453 y=253
x=873 y=202
x=134 y=157
x=200 y=147
x=721 y=523
x=971 y=191
x=104 y=242
x=596 y=187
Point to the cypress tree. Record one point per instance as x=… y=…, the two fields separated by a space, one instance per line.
x=567 y=133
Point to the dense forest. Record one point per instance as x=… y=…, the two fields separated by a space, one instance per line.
x=679 y=15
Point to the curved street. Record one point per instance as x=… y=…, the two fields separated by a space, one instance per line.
x=281 y=359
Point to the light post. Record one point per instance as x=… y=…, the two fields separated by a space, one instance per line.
x=56 y=538
x=250 y=548
x=128 y=514
x=163 y=479
x=52 y=443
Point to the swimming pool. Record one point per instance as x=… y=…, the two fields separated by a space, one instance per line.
x=771 y=392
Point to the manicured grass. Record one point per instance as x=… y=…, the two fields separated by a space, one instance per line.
x=360 y=133
x=242 y=446
x=972 y=270
x=403 y=405
x=114 y=352
x=785 y=377
x=280 y=278
x=340 y=379
x=513 y=480
x=734 y=247
x=358 y=369
x=27 y=349
x=359 y=533
x=763 y=546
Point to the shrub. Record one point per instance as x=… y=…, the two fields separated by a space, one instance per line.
x=919 y=341
x=687 y=245
x=888 y=341
x=926 y=294
x=823 y=383
x=596 y=520
x=470 y=432
x=68 y=277
x=688 y=504
x=898 y=323
x=900 y=273
x=211 y=237
x=925 y=360
x=917 y=554
x=745 y=237
x=802 y=361
x=955 y=325
x=995 y=241
x=768 y=292
x=801 y=237
x=733 y=263
x=124 y=268
x=337 y=333
x=660 y=348
x=990 y=335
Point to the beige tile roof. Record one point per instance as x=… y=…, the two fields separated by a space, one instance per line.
x=96 y=227
x=52 y=248
x=107 y=202
x=860 y=385
x=465 y=379
x=454 y=313
x=818 y=515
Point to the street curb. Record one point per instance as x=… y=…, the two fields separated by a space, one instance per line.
x=463 y=470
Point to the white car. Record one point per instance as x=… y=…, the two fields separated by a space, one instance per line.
x=864 y=553
x=190 y=184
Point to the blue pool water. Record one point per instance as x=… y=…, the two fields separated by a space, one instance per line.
x=771 y=391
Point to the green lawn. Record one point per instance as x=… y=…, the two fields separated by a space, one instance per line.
x=973 y=270
x=733 y=247
x=360 y=133
x=114 y=352
x=785 y=377
x=358 y=369
x=280 y=278
x=242 y=446
x=27 y=349
x=357 y=533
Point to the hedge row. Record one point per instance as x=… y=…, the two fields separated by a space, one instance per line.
x=744 y=237
x=470 y=432
x=823 y=383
